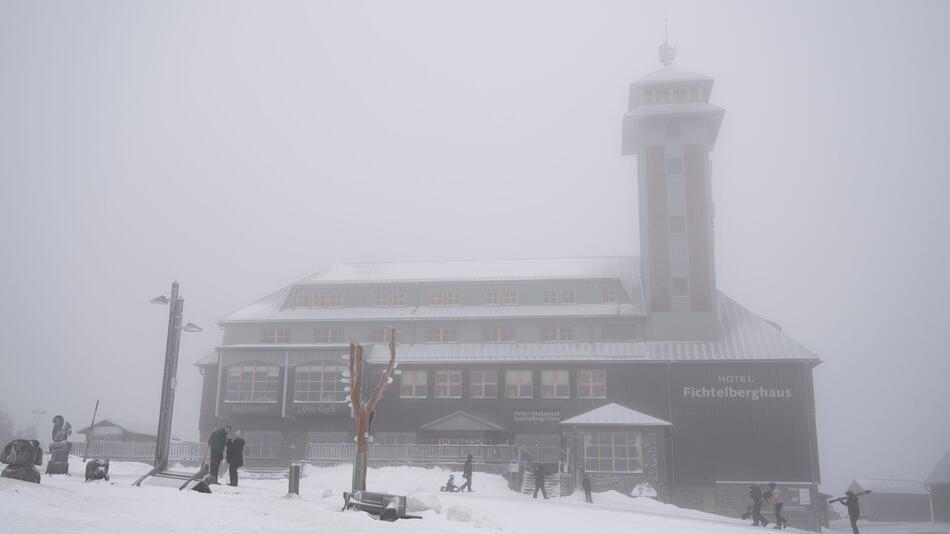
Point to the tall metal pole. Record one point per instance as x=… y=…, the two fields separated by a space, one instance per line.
x=169 y=381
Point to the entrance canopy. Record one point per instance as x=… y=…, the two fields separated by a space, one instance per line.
x=614 y=414
x=460 y=421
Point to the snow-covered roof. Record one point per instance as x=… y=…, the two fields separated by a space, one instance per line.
x=744 y=336
x=388 y=272
x=677 y=108
x=941 y=472
x=891 y=486
x=131 y=427
x=623 y=268
x=672 y=74
x=614 y=414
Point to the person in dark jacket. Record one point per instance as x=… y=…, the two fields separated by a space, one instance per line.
x=755 y=493
x=217 y=442
x=235 y=457
x=585 y=483
x=854 y=510
x=467 y=474
x=539 y=481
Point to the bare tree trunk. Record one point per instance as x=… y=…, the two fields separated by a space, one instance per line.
x=361 y=410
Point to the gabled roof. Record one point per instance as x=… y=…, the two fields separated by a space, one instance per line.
x=461 y=421
x=128 y=426
x=614 y=414
x=941 y=472
x=889 y=486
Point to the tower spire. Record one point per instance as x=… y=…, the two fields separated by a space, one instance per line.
x=667 y=52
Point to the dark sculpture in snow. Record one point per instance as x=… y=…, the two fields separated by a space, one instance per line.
x=59 y=448
x=22 y=455
x=97 y=470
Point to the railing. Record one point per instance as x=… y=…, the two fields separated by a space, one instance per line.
x=139 y=451
x=422 y=454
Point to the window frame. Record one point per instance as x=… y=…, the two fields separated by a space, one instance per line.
x=558 y=334
x=378 y=335
x=566 y=374
x=591 y=383
x=520 y=384
x=337 y=386
x=255 y=368
x=414 y=386
x=446 y=334
x=274 y=335
x=482 y=383
x=604 y=328
x=448 y=384
x=330 y=338
x=611 y=444
x=612 y=299
x=498 y=334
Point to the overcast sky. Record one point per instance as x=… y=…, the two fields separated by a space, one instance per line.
x=239 y=146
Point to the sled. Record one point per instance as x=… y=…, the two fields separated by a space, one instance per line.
x=455 y=489
x=382 y=506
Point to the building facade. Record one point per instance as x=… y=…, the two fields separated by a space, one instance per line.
x=632 y=369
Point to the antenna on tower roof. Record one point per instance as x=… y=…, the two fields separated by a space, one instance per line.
x=667 y=52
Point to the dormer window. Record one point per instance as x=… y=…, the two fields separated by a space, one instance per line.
x=386 y=299
x=501 y=297
x=275 y=335
x=318 y=299
x=559 y=296
x=445 y=297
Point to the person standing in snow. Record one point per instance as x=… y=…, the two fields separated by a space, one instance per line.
x=217 y=442
x=777 y=500
x=854 y=510
x=539 y=481
x=755 y=493
x=585 y=483
x=235 y=457
x=467 y=474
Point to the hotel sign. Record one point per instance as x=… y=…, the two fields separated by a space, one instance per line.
x=321 y=408
x=739 y=387
x=535 y=416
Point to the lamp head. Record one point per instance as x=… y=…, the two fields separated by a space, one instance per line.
x=161 y=299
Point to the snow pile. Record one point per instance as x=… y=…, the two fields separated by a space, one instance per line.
x=459 y=513
x=421 y=502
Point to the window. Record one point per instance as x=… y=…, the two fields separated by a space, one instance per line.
x=319 y=383
x=672 y=129
x=559 y=296
x=318 y=299
x=275 y=335
x=413 y=384
x=445 y=297
x=519 y=384
x=501 y=297
x=557 y=333
x=677 y=224
x=591 y=384
x=448 y=384
x=545 y=448
x=612 y=451
x=619 y=332
x=555 y=384
x=483 y=384
x=680 y=287
x=387 y=299
x=258 y=444
x=608 y=296
x=461 y=441
x=328 y=335
x=695 y=93
x=381 y=335
x=252 y=383
x=497 y=334
x=440 y=334
x=661 y=96
x=674 y=165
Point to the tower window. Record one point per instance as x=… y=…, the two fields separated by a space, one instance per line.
x=677 y=224
x=680 y=287
x=672 y=129
x=608 y=296
x=674 y=165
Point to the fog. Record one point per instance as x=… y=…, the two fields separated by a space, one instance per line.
x=237 y=147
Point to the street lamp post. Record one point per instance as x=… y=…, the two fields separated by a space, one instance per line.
x=169 y=380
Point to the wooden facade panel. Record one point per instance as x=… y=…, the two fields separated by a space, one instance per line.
x=699 y=226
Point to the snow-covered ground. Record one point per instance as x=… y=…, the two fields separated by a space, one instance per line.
x=871 y=527
x=66 y=504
